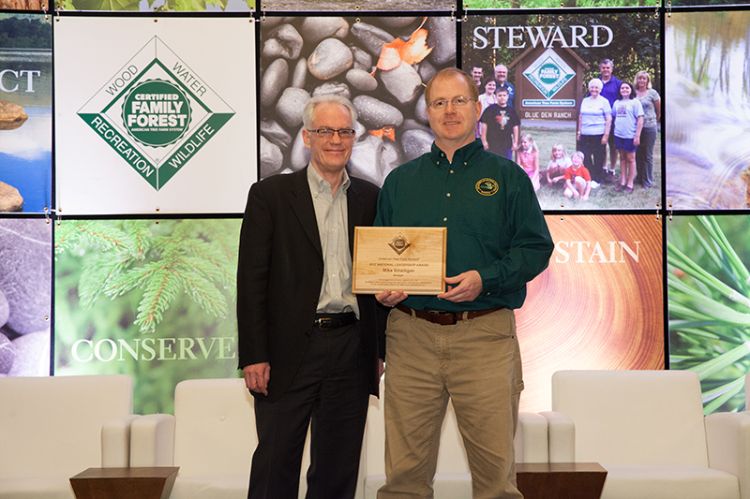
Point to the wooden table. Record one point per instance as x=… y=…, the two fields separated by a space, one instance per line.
x=560 y=480
x=124 y=483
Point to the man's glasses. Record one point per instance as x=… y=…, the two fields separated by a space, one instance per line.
x=327 y=133
x=440 y=104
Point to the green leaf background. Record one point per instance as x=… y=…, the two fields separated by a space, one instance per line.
x=128 y=279
x=709 y=304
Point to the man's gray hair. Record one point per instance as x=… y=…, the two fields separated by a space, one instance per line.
x=308 y=113
x=607 y=61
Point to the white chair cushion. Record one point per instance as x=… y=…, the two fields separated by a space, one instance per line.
x=668 y=482
x=633 y=417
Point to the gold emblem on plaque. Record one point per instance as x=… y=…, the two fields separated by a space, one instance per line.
x=399 y=244
x=487 y=186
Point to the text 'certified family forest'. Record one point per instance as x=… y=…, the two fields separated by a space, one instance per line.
x=156 y=113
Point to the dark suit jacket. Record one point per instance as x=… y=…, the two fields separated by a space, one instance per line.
x=280 y=272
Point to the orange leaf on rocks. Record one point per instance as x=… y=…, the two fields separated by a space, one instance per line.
x=409 y=51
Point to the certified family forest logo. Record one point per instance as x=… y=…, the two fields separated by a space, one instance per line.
x=549 y=73
x=156 y=113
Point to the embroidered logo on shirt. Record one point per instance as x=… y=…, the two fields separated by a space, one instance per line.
x=487 y=186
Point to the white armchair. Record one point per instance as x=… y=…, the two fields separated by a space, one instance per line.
x=452 y=477
x=648 y=430
x=52 y=428
x=211 y=437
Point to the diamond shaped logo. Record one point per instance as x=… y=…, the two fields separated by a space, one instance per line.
x=156 y=113
x=549 y=73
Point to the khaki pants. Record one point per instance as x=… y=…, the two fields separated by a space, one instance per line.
x=477 y=364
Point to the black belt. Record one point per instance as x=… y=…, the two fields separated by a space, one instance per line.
x=445 y=318
x=333 y=321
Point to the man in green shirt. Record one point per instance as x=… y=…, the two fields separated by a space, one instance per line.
x=460 y=344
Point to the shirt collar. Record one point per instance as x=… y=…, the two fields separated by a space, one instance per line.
x=318 y=185
x=464 y=154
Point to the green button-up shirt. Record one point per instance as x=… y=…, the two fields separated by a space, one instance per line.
x=494 y=221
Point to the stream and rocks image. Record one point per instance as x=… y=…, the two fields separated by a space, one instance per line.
x=708 y=110
x=340 y=5
x=381 y=64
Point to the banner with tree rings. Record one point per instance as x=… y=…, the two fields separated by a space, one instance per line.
x=381 y=63
x=25 y=112
x=545 y=64
x=153 y=299
x=709 y=306
x=25 y=285
x=708 y=111
x=39 y=5
x=343 y=5
x=599 y=305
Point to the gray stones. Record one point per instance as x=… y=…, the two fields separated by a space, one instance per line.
x=275 y=133
x=333 y=89
x=291 y=104
x=4 y=309
x=338 y=57
x=25 y=273
x=415 y=143
x=375 y=113
x=32 y=354
x=403 y=82
x=362 y=80
x=271 y=157
x=7 y=354
x=362 y=60
x=371 y=37
x=284 y=41
x=330 y=58
x=442 y=36
x=315 y=29
x=273 y=81
x=10 y=198
x=299 y=77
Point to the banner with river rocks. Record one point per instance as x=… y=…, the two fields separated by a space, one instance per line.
x=156 y=120
x=381 y=63
x=708 y=111
x=25 y=285
x=342 y=5
x=25 y=113
x=545 y=62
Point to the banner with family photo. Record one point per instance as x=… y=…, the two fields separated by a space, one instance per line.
x=153 y=299
x=709 y=306
x=708 y=113
x=599 y=305
x=575 y=100
x=381 y=63
x=25 y=304
x=156 y=119
x=25 y=112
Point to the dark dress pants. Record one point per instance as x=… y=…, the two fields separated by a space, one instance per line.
x=594 y=156
x=330 y=392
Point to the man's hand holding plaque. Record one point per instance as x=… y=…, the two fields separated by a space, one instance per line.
x=408 y=259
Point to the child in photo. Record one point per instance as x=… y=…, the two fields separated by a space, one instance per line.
x=559 y=161
x=628 y=113
x=577 y=178
x=528 y=158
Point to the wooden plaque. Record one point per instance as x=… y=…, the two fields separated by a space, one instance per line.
x=409 y=259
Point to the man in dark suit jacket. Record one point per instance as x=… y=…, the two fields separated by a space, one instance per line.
x=309 y=349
